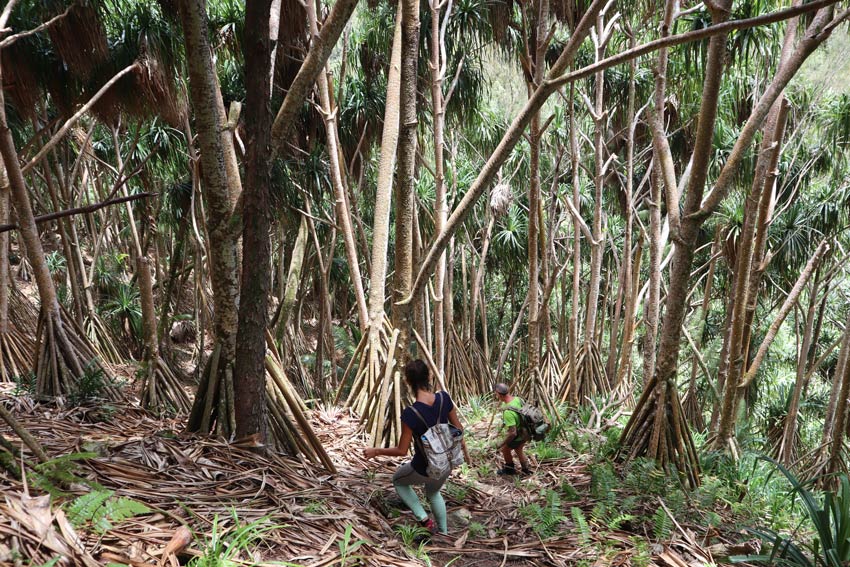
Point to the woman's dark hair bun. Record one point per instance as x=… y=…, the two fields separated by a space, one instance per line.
x=417 y=375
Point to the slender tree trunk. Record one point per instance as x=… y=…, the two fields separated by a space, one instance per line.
x=597 y=248
x=249 y=374
x=343 y=213
x=224 y=268
x=508 y=142
x=383 y=195
x=835 y=392
x=836 y=455
x=293 y=278
x=625 y=280
x=697 y=421
x=662 y=166
x=4 y=255
x=629 y=317
x=757 y=209
x=59 y=365
x=788 y=448
x=404 y=202
x=837 y=397
x=787 y=305
x=438 y=70
x=573 y=323
x=70 y=263
x=534 y=228
x=312 y=66
x=478 y=278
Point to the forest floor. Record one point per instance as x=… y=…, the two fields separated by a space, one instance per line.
x=261 y=510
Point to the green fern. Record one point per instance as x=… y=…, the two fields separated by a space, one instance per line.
x=545 y=520
x=581 y=524
x=102 y=508
x=617 y=522
x=56 y=474
x=599 y=514
x=662 y=525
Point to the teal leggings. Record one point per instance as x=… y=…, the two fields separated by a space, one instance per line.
x=403 y=480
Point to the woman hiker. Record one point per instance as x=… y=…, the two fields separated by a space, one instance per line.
x=432 y=408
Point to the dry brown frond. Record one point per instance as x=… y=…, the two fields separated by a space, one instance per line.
x=19 y=81
x=80 y=40
x=501 y=198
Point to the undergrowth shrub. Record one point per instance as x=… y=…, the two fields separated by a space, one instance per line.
x=544 y=519
x=235 y=546
x=25 y=384
x=827 y=515
x=101 y=509
x=92 y=385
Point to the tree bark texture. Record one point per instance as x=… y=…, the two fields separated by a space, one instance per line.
x=404 y=193
x=438 y=111
x=249 y=374
x=383 y=194
x=209 y=123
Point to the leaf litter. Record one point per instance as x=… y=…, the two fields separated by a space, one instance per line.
x=195 y=486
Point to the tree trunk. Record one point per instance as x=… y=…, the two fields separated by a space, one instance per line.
x=662 y=174
x=538 y=37
x=343 y=213
x=210 y=122
x=438 y=112
x=60 y=363
x=506 y=145
x=597 y=248
x=746 y=287
x=404 y=202
x=572 y=358
x=625 y=279
x=4 y=251
x=249 y=374
x=836 y=454
x=836 y=402
x=383 y=193
x=788 y=448
x=312 y=66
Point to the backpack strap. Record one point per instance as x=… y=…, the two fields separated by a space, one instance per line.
x=439 y=413
x=419 y=415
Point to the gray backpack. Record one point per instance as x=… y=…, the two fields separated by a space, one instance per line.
x=441 y=445
x=532 y=420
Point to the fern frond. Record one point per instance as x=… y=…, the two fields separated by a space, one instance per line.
x=662 y=524
x=101 y=508
x=581 y=524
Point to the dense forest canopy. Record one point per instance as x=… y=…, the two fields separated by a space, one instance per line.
x=239 y=214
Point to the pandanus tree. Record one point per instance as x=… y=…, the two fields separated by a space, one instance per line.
x=77 y=40
x=657 y=427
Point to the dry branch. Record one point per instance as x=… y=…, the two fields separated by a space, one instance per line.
x=79 y=210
